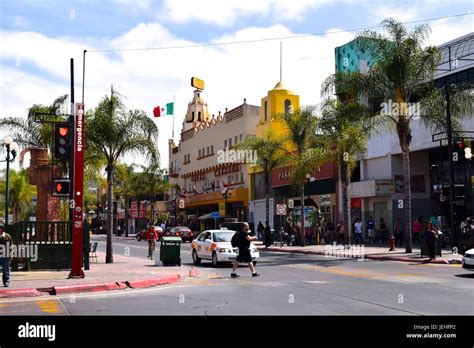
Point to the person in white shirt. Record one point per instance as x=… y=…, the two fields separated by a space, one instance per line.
x=359 y=235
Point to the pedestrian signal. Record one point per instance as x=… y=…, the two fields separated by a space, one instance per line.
x=61 y=187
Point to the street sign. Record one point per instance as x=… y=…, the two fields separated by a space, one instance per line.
x=281 y=209
x=78 y=190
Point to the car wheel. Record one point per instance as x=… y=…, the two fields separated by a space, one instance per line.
x=138 y=238
x=214 y=260
x=254 y=263
x=196 y=258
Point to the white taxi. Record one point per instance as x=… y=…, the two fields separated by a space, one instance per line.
x=215 y=245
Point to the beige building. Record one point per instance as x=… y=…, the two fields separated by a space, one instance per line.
x=203 y=173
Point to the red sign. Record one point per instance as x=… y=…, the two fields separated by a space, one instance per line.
x=282 y=176
x=78 y=190
x=356 y=203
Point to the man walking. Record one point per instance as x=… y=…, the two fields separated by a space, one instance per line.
x=5 y=240
x=370 y=229
x=244 y=240
x=359 y=237
x=267 y=234
x=260 y=229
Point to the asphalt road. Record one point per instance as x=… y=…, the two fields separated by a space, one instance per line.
x=290 y=284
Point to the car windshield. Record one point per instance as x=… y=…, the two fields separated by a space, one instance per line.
x=222 y=236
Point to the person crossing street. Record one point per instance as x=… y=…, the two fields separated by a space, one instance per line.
x=244 y=241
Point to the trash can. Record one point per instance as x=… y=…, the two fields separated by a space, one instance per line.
x=424 y=247
x=170 y=251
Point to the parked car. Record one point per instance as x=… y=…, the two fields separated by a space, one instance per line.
x=142 y=234
x=468 y=259
x=182 y=231
x=215 y=245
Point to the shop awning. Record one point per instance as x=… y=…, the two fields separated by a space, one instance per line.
x=213 y=215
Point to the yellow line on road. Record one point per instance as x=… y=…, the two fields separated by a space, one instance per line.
x=49 y=306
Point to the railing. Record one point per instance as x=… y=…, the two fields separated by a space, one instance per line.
x=42 y=232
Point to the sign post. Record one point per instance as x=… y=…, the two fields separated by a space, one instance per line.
x=78 y=191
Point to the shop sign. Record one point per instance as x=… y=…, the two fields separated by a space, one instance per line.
x=232 y=168
x=384 y=187
x=325 y=199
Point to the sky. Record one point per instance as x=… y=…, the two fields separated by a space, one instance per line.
x=38 y=38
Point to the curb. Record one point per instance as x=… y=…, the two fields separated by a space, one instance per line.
x=69 y=289
x=19 y=293
x=147 y=283
x=370 y=257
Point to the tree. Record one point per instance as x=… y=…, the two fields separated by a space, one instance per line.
x=303 y=149
x=113 y=132
x=269 y=155
x=402 y=72
x=344 y=128
x=21 y=194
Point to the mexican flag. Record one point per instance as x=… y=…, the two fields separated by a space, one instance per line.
x=163 y=110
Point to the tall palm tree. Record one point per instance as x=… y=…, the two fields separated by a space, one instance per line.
x=345 y=127
x=269 y=155
x=112 y=132
x=402 y=72
x=303 y=149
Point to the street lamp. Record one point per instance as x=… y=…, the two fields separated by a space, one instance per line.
x=310 y=179
x=13 y=148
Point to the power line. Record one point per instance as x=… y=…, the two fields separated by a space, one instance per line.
x=271 y=39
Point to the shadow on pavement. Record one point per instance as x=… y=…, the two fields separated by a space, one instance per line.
x=465 y=275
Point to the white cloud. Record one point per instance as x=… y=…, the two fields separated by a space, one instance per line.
x=151 y=78
x=226 y=13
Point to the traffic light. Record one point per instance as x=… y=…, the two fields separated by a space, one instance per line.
x=61 y=187
x=62 y=141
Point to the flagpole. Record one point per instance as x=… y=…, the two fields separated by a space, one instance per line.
x=172 y=134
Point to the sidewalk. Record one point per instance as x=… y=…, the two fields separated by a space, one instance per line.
x=125 y=272
x=370 y=252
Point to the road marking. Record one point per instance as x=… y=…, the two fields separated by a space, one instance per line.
x=49 y=306
x=315 y=281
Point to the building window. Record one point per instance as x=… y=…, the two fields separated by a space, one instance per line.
x=225 y=144
x=241 y=177
x=241 y=137
x=199 y=154
x=266 y=111
x=287 y=106
x=230 y=142
x=207 y=151
x=235 y=140
x=218 y=184
x=192 y=116
x=212 y=149
x=199 y=116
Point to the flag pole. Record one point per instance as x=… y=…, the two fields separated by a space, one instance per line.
x=172 y=134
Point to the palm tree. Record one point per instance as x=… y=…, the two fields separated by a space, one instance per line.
x=345 y=127
x=303 y=149
x=402 y=72
x=113 y=132
x=29 y=132
x=269 y=155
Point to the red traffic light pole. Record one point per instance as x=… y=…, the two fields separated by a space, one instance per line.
x=78 y=191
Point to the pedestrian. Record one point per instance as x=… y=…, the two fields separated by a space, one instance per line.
x=359 y=235
x=244 y=241
x=431 y=234
x=340 y=230
x=260 y=229
x=382 y=230
x=417 y=228
x=330 y=231
x=5 y=240
x=398 y=232
x=434 y=220
x=267 y=233
x=370 y=229
x=152 y=236
x=163 y=226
